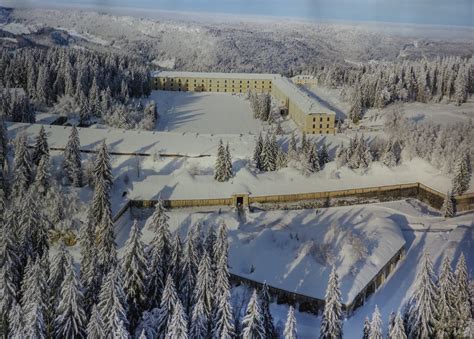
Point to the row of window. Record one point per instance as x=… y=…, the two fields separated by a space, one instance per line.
x=210 y=81
x=320 y=119
x=321 y=126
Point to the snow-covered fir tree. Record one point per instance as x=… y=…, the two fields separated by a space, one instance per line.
x=389 y=158
x=15 y=322
x=462 y=174
x=257 y=154
x=448 y=206
x=293 y=148
x=331 y=322
x=72 y=159
x=223 y=168
x=463 y=310
x=323 y=156
x=203 y=298
x=174 y=267
x=189 y=270
x=42 y=181
x=252 y=322
x=398 y=329
x=121 y=332
x=95 y=327
x=70 y=320
x=446 y=304
x=376 y=330
x=178 y=325
x=112 y=304
x=22 y=169
x=265 y=301
x=290 y=331
x=148 y=324
x=41 y=146
x=311 y=163
x=366 y=329
x=106 y=246
x=168 y=300
x=422 y=312
x=159 y=254
x=304 y=144
x=134 y=268
x=281 y=159
x=269 y=153
x=57 y=272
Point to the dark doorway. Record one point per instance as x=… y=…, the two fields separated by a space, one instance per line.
x=240 y=201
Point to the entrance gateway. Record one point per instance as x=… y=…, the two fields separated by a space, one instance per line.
x=240 y=200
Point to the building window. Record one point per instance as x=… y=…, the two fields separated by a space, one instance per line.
x=321 y=126
x=314 y=119
x=321 y=119
x=327 y=126
x=328 y=118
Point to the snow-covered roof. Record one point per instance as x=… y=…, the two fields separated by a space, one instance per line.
x=214 y=75
x=302 y=99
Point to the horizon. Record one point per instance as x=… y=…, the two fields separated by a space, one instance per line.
x=419 y=12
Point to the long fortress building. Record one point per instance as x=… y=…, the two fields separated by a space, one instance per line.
x=308 y=114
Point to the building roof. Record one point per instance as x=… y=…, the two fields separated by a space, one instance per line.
x=301 y=98
x=215 y=75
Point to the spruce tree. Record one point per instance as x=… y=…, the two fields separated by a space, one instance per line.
x=203 y=298
x=293 y=148
x=253 y=321
x=15 y=322
x=331 y=322
x=95 y=327
x=462 y=175
x=228 y=164
x=41 y=146
x=178 y=325
x=59 y=266
x=257 y=154
x=446 y=305
x=159 y=254
x=189 y=269
x=422 y=310
x=105 y=243
x=268 y=155
x=304 y=144
x=311 y=161
x=366 y=329
x=168 y=300
x=388 y=157
x=290 y=331
x=323 y=156
x=22 y=169
x=448 y=206
x=265 y=310
x=398 y=330
x=112 y=303
x=121 y=332
x=134 y=268
x=220 y=168
x=72 y=159
x=70 y=321
x=376 y=331
x=42 y=181
x=175 y=261
x=463 y=311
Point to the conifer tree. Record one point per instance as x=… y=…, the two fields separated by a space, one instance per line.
x=376 y=331
x=446 y=304
x=265 y=310
x=159 y=254
x=463 y=311
x=253 y=320
x=41 y=146
x=388 y=157
x=3 y=148
x=105 y=243
x=178 y=325
x=134 y=268
x=290 y=331
x=293 y=148
x=59 y=266
x=268 y=155
x=112 y=303
x=422 y=311
x=121 y=332
x=462 y=175
x=22 y=169
x=189 y=269
x=168 y=300
x=220 y=170
x=70 y=321
x=311 y=163
x=228 y=163
x=15 y=322
x=398 y=330
x=175 y=261
x=366 y=329
x=331 y=322
x=257 y=154
x=323 y=156
x=42 y=181
x=448 y=206
x=72 y=159
x=95 y=327
x=203 y=298
x=304 y=144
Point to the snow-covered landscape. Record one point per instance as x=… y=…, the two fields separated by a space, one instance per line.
x=130 y=211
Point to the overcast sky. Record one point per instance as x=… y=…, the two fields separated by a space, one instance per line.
x=443 y=12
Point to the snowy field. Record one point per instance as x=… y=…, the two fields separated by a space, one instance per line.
x=276 y=244
x=205 y=113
